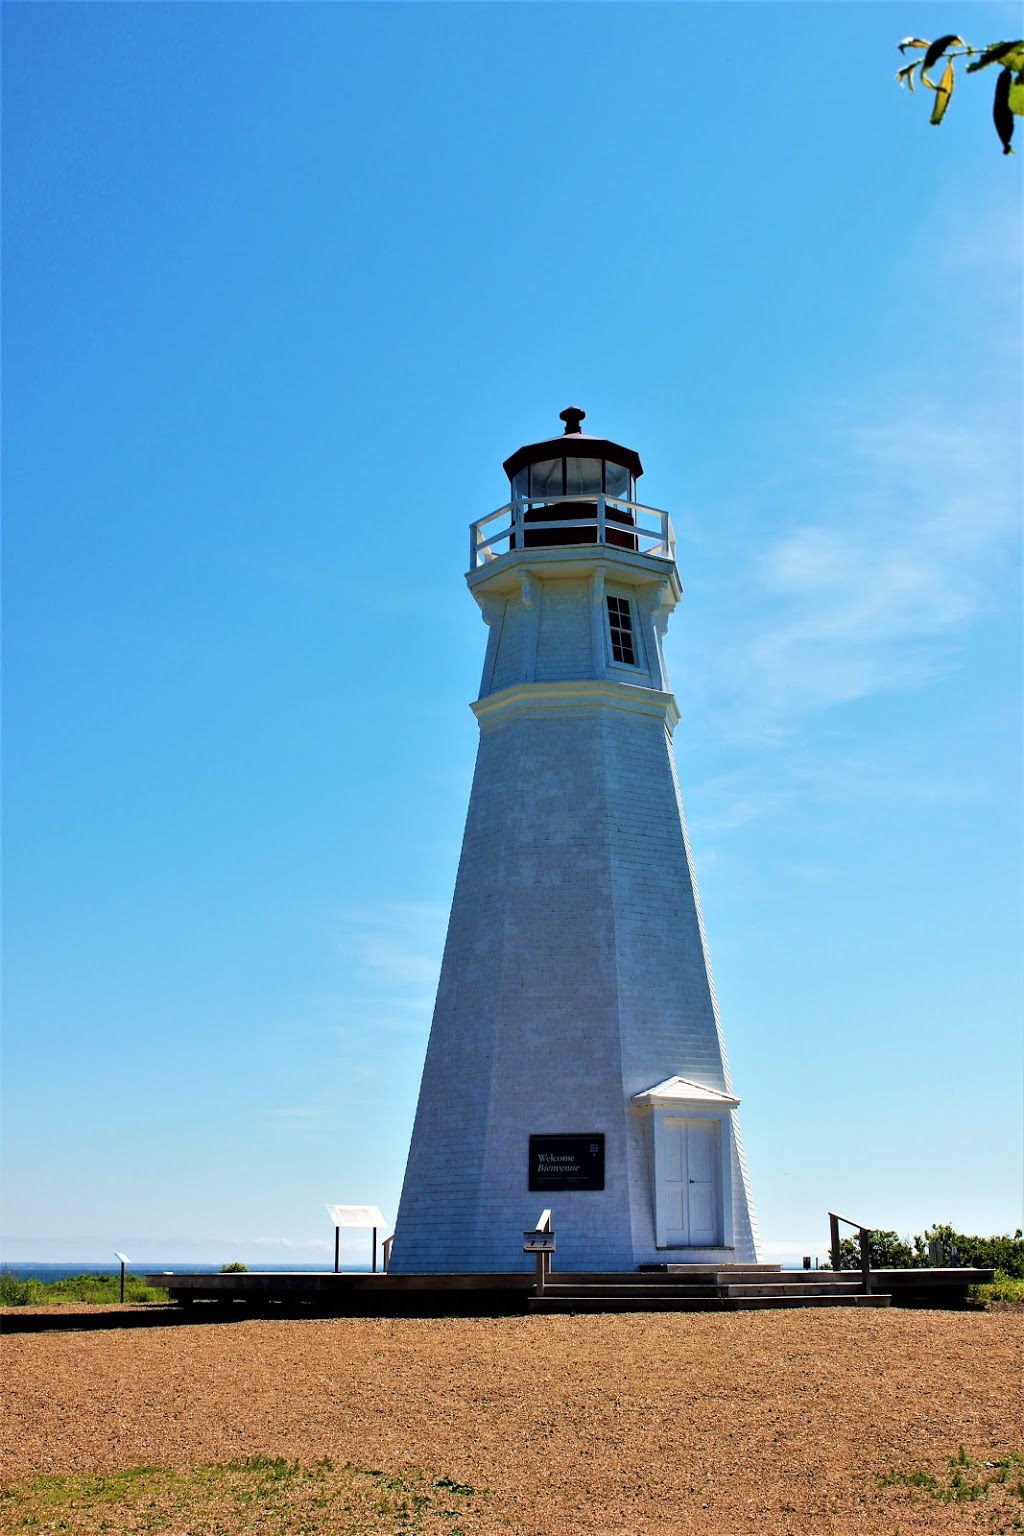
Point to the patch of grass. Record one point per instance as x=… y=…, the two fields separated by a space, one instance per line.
x=268 y=1494
x=966 y=1480
x=97 y=1290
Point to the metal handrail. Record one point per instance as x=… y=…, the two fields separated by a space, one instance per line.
x=481 y=546
x=864 y=1233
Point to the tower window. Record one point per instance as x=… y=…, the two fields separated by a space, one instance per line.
x=620 y=626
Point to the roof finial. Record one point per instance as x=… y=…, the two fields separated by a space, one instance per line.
x=572 y=416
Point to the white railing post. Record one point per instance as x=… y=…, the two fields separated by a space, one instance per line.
x=517 y=524
x=602 y=518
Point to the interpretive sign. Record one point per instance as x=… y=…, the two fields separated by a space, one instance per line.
x=567 y=1162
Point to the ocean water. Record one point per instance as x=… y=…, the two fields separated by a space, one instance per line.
x=51 y=1272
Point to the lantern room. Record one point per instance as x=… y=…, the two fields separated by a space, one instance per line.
x=566 y=480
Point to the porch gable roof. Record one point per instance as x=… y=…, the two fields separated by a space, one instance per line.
x=681 y=1090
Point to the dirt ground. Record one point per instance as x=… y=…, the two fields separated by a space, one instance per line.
x=722 y=1424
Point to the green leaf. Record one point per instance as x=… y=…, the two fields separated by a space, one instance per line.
x=939 y=47
x=1010 y=55
x=905 y=76
x=943 y=92
x=1015 y=96
x=1001 y=114
x=912 y=42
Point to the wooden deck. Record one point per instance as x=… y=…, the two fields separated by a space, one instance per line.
x=674 y=1288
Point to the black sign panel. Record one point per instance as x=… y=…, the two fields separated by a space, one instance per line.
x=566 y=1162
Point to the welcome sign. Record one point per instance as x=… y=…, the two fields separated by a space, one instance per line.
x=566 y=1162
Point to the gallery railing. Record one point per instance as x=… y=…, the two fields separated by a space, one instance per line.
x=589 y=520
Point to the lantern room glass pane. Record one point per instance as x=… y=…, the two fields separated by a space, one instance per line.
x=583 y=477
x=546 y=478
x=520 y=485
x=616 y=481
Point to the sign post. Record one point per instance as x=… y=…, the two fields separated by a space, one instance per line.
x=361 y=1216
x=541 y=1241
x=124 y=1260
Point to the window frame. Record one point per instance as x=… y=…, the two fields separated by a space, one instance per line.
x=616 y=631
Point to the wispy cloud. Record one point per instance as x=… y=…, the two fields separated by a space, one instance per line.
x=290 y=1117
x=394 y=951
x=389 y=956
x=988 y=243
x=874 y=592
x=887 y=523
x=398 y=942
x=289 y=1244
x=892 y=533
x=775 y=774
x=880 y=540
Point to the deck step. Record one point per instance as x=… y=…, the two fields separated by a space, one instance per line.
x=722 y=1269
x=698 y=1275
x=703 y=1288
x=598 y=1303
x=821 y=1288
x=601 y=1301
x=692 y=1277
x=555 y=1289
x=836 y=1299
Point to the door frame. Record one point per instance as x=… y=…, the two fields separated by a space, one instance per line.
x=723 y=1118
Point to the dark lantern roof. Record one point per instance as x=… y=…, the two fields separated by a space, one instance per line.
x=573 y=445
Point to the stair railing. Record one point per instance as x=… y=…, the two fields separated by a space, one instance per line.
x=864 y=1233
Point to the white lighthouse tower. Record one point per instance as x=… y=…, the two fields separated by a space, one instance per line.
x=576 y=1058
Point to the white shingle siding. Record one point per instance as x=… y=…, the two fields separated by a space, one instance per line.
x=564 y=648
x=575 y=973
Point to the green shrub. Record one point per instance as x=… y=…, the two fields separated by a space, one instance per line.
x=94 y=1290
x=1004 y=1288
x=887 y=1250
x=236 y=1268
x=1001 y=1252
x=13 y=1292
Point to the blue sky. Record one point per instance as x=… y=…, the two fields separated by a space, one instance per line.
x=283 y=286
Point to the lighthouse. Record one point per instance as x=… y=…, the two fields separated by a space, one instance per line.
x=576 y=1061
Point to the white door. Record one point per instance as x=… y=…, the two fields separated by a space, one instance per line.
x=688 y=1184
